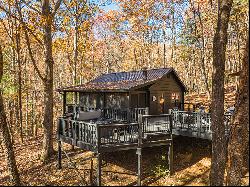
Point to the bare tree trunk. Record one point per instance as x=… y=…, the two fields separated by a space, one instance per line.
x=27 y=115
x=202 y=44
x=4 y=132
x=239 y=136
x=76 y=45
x=202 y=54
x=48 y=150
x=19 y=83
x=173 y=33
x=11 y=119
x=219 y=148
x=164 y=48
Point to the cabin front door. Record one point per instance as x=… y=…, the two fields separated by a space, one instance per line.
x=159 y=103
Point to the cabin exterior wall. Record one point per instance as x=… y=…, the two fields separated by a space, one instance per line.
x=166 y=88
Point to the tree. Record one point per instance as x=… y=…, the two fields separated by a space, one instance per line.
x=47 y=17
x=239 y=137
x=219 y=148
x=4 y=132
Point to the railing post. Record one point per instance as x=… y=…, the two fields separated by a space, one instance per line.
x=171 y=123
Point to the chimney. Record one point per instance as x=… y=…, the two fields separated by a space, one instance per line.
x=145 y=73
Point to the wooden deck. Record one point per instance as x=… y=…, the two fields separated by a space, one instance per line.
x=119 y=134
x=116 y=135
x=195 y=124
x=118 y=130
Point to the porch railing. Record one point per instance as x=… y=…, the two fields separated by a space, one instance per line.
x=78 y=131
x=196 y=121
x=102 y=136
x=119 y=114
x=117 y=133
x=157 y=123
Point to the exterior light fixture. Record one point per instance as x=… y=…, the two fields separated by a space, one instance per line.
x=162 y=99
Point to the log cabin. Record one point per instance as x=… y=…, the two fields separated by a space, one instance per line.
x=158 y=90
x=129 y=110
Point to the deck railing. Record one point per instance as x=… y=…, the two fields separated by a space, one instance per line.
x=124 y=133
x=117 y=134
x=157 y=123
x=78 y=131
x=199 y=122
x=100 y=136
x=119 y=114
x=126 y=114
x=115 y=114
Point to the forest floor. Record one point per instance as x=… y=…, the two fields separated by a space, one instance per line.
x=192 y=160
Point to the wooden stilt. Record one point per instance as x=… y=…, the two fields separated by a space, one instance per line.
x=170 y=158
x=59 y=166
x=91 y=172
x=99 y=166
x=138 y=152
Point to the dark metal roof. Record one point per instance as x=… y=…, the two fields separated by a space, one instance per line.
x=122 y=81
x=132 y=75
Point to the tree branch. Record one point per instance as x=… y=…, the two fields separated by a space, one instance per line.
x=24 y=24
x=28 y=43
x=57 y=5
x=31 y=7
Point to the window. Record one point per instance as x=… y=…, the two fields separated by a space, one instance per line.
x=175 y=96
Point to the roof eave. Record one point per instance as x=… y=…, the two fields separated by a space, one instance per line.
x=92 y=90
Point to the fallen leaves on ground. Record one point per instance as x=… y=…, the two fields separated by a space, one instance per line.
x=192 y=158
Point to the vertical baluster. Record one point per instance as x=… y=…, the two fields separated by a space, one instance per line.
x=84 y=132
x=125 y=136
x=199 y=125
x=91 y=134
x=80 y=131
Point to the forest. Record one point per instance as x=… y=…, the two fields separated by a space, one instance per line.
x=50 y=44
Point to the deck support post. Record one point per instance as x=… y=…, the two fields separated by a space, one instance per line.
x=171 y=147
x=99 y=166
x=139 y=153
x=91 y=172
x=170 y=158
x=139 y=148
x=59 y=166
